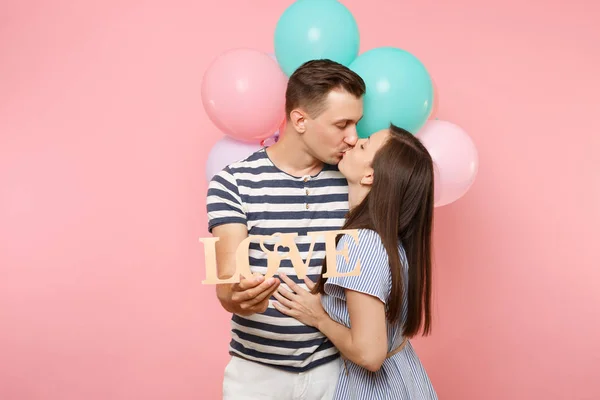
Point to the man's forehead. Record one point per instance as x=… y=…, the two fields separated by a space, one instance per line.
x=338 y=96
x=340 y=107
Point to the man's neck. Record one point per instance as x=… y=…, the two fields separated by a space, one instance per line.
x=291 y=155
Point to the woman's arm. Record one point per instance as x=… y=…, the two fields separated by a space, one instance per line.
x=365 y=343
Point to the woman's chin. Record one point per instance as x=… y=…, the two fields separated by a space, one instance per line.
x=341 y=166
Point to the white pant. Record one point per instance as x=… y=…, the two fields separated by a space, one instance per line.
x=248 y=380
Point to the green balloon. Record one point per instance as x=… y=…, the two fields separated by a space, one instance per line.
x=399 y=90
x=315 y=29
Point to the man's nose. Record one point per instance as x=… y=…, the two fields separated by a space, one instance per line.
x=351 y=137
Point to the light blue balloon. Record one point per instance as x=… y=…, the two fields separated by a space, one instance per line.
x=399 y=90
x=315 y=29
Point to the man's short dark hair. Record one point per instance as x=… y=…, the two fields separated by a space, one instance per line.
x=310 y=84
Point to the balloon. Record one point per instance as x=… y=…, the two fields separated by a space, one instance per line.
x=270 y=140
x=282 y=127
x=315 y=29
x=399 y=90
x=243 y=93
x=455 y=157
x=226 y=151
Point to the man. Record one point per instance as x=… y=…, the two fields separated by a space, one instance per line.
x=292 y=186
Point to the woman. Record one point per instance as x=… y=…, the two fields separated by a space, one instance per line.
x=369 y=317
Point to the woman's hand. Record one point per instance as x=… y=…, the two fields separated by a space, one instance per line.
x=302 y=305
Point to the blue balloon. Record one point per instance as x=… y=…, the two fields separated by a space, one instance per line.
x=315 y=29
x=399 y=90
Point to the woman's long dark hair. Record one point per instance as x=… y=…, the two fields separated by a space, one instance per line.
x=399 y=207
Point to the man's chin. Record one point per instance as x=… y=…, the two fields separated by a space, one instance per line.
x=333 y=160
x=336 y=160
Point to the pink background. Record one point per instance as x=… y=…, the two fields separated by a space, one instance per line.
x=103 y=141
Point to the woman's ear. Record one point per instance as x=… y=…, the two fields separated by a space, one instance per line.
x=367 y=178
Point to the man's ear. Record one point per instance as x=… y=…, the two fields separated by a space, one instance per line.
x=298 y=120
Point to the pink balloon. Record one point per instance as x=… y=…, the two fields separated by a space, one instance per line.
x=455 y=157
x=282 y=127
x=243 y=93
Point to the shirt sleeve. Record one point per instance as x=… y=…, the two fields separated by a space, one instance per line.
x=223 y=202
x=375 y=276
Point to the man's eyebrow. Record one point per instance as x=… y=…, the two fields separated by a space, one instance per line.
x=341 y=120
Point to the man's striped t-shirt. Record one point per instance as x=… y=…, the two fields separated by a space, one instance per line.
x=268 y=200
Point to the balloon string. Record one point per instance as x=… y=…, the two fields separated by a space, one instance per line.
x=270 y=140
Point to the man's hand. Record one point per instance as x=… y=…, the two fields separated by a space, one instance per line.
x=250 y=296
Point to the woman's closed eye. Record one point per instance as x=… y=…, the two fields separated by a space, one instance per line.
x=362 y=145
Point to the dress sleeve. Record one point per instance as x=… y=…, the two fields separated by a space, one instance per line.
x=374 y=278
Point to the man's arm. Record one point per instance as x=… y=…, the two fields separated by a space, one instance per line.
x=249 y=296
x=227 y=220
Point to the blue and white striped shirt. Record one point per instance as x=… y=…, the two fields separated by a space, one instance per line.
x=402 y=376
x=267 y=200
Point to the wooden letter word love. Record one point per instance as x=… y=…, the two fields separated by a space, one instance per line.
x=274 y=257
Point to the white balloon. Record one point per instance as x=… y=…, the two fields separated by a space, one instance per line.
x=227 y=151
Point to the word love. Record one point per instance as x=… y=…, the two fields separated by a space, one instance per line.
x=274 y=257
